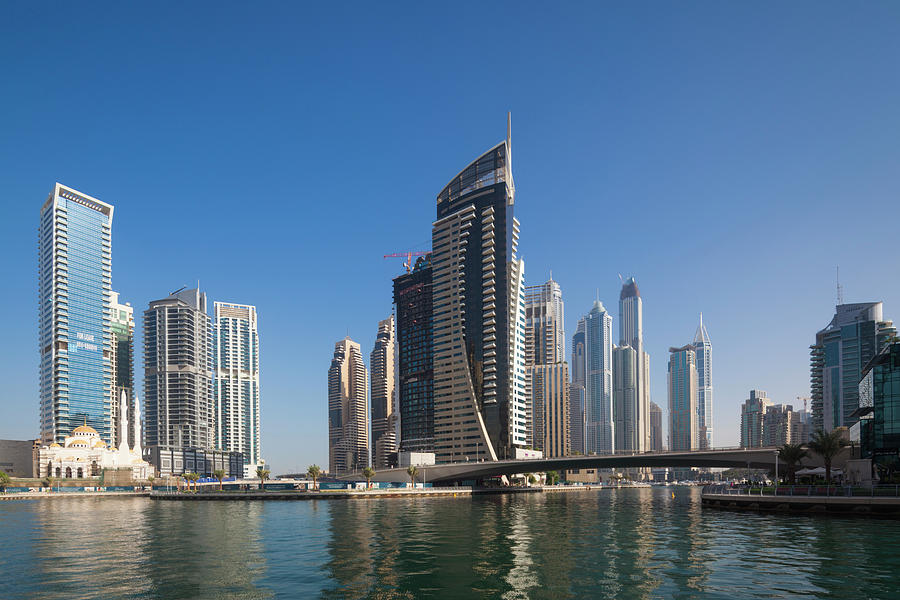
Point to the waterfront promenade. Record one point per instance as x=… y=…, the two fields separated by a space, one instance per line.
x=876 y=500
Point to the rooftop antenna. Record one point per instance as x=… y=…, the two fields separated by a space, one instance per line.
x=178 y=290
x=840 y=288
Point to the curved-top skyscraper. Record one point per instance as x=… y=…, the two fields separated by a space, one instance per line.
x=479 y=314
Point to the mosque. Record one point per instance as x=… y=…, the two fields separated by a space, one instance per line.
x=85 y=454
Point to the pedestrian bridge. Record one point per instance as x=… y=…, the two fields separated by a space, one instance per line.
x=755 y=458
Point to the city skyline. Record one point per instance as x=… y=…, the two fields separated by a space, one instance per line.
x=726 y=165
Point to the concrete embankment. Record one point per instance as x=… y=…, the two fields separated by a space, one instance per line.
x=57 y=495
x=865 y=505
x=452 y=492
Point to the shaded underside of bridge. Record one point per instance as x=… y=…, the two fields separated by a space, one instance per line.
x=754 y=458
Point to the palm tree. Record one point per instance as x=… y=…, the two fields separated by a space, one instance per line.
x=413 y=472
x=4 y=481
x=151 y=479
x=827 y=445
x=220 y=475
x=791 y=455
x=314 y=472
x=552 y=477
x=368 y=473
x=263 y=474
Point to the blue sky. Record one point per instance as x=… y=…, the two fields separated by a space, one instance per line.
x=727 y=155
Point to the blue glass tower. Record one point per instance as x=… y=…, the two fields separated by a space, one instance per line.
x=74 y=331
x=598 y=389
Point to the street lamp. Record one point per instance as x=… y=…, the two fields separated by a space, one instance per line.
x=776 y=468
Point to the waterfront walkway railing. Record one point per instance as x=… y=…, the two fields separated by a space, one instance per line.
x=847 y=491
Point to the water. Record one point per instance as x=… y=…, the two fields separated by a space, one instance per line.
x=631 y=543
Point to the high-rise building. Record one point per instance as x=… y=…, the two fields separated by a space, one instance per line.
x=878 y=429
x=550 y=384
x=545 y=316
x=656 y=430
x=576 y=391
x=415 y=357
x=631 y=333
x=683 y=418
x=625 y=405
x=855 y=335
x=703 y=349
x=782 y=425
x=480 y=399
x=121 y=318
x=545 y=346
x=598 y=389
x=236 y=338
x=753 y=412
x=178 y=372
x=348 y=418
x=384 y=415
x=74 y=331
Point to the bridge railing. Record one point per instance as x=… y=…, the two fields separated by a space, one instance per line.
x=889 y=491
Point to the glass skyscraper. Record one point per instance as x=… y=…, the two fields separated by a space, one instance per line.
x=855 y=335
x=415 y=357
x=122 y=324
x=631 y=333
x=683 y=418
x=75 y=338
x=598 y=387
x=703 y=349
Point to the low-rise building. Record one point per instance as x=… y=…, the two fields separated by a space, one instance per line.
x=16 y=458
x=84 y=454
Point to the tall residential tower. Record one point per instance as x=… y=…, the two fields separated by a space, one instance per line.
x=178 y=372
x=122 y=362
x=683 y=417
x=384 y=413
x=415 y=357
x=856 y=334
x=480 y=399
x=236 y=338
x=74 y=331
x=598 y=383
x=631 y=333
x=348 y=418
x=703 y=350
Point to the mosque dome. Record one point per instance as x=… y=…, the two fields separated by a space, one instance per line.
x=85 y=429
x=55 y=445
x=76 y=441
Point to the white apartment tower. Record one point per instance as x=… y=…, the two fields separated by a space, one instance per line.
x=236 y=339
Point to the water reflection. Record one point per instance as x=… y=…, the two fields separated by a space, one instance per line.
x=601 y=544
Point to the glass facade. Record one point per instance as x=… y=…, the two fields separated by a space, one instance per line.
x=74 y=321
x=415 y=354
x=683 y=429
x=879 y=402
x=598 y=393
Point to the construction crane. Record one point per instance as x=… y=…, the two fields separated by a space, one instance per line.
x=408 y=256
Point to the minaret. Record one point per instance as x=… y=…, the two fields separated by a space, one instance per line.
x=123 y=426
x=137 y=428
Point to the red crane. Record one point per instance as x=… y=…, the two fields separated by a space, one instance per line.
x=408 y=256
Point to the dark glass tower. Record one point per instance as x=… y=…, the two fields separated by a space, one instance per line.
x=415 y=357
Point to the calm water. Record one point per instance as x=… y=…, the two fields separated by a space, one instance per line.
x=635 y=543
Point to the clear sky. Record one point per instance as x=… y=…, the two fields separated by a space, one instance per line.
x=727 y=155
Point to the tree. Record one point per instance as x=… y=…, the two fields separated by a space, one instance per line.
x=151 y=479
x=4 y=481
x=791 y=455
x=263 y=474
x=47 y=482
x=552 y=477
x=368 y=473
x=220 y=475
x=314 y=471
x=413 y=472
x=827 y=445
x=532 y=479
